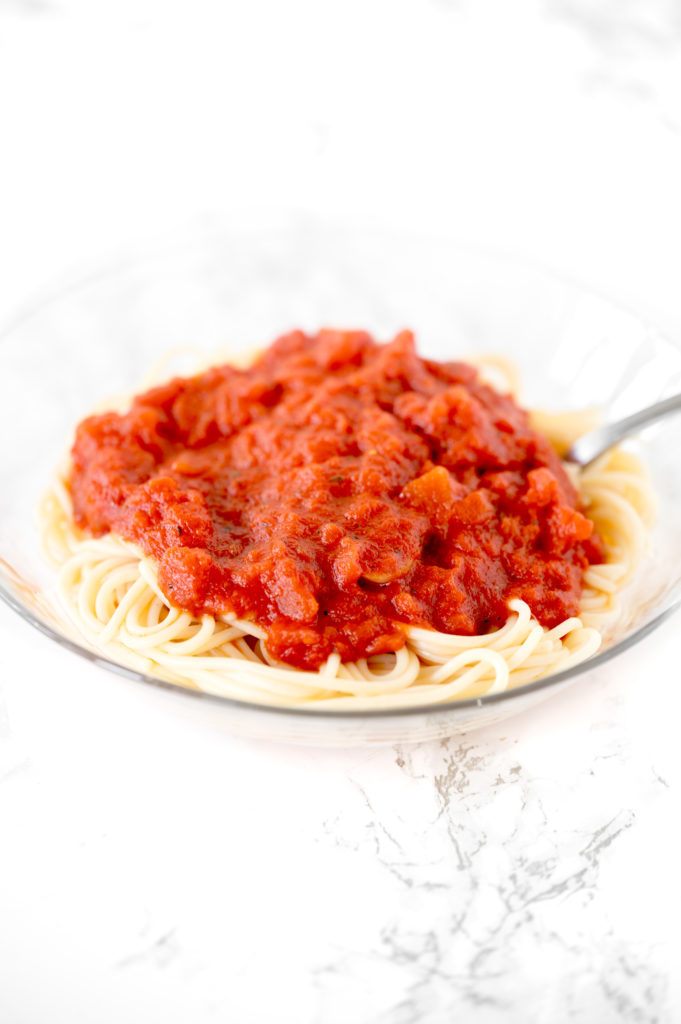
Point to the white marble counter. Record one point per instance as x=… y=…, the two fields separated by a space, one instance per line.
x=154 y=869
x=157 y=870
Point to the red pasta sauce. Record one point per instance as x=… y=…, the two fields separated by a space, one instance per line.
x=337 y=491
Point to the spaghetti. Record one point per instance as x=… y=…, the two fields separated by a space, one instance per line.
x=111 y=588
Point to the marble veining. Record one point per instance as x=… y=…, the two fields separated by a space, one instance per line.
x=492 y=869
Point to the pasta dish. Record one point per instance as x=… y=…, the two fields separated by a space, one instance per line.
x=342 y=524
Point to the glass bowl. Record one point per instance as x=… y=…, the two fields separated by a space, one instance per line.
x=238 y=290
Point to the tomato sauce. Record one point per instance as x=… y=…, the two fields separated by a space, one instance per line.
x=337 y=491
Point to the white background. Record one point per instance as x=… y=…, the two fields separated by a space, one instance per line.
x=154 y=870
